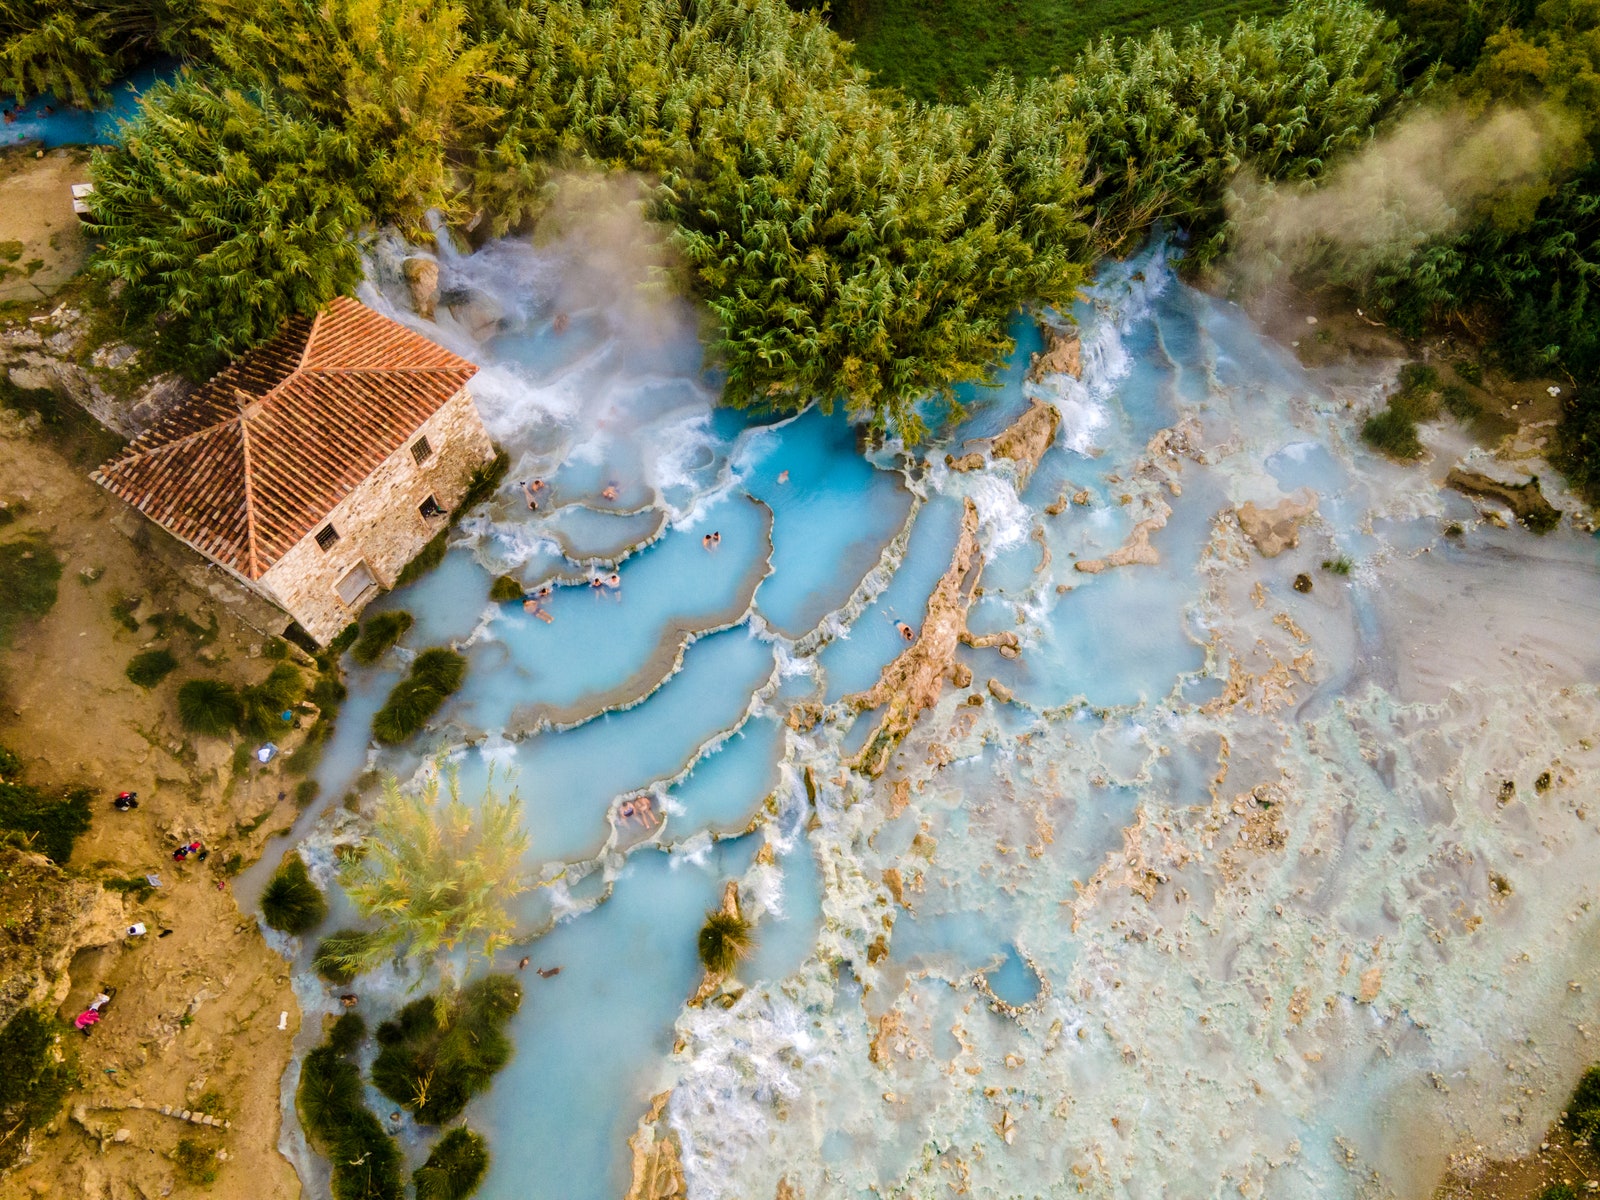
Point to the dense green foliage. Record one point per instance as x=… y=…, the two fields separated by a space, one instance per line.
x=1558 y=1191
x=77 y=48
x=223 y=212
x=208 y=706
x=48 y=825
x=438 y=877
x=435 y=675
x=434 y=1057
x=1393 y=430
x=340 y=955
x=366 y=1161
x=150 y=667
x=34 y=1083
x=29 y=573
x=379 y=634
x=1583 y=1110
x=942 y=49
x=455 y=1168
x=724 y=941
x=291 y=903
x=505 y=588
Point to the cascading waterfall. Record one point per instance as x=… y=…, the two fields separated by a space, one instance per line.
x=1216 y=887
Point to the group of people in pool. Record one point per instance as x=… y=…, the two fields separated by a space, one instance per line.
x=638 y=807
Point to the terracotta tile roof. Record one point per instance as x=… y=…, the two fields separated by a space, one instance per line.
x=259 y=456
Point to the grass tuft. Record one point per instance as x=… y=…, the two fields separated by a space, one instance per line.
x=725 y=942
x=378 y=635
x=291 y=903
x=455 y=1168
x=151 y=667
x=434 y=1065
x=208 y=706
x=505 y=588
x=332 y=1103
x=48 y=825
x=39 y=1072
x=29 y=574
x=435 y=676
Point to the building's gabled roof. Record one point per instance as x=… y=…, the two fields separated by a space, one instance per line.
x=259 y=456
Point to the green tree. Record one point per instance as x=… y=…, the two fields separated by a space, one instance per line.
x=223 y=212
x=439 y=876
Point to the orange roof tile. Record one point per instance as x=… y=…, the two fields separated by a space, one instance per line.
x=261 y=454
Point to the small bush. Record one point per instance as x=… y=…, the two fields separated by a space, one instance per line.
x=378 y=635
x=122 y=610
x=366 y=1161
x=209 y=706
x=291 y=903
x=345 y=639
x=435 y=675
x=337 y=954
x=505 y=588
x=33 y=1083
x=348 y=1032
x=1458 y=402
x=29 y=573
x=1392 y=432
x=483 y=483
x=1583 y=1110
x=10 y=764
x=725 y=941
x=195 y=1162
x=1337 y=566
x=49 y=825
x=455 y=1168
x=1558 y=1191
x=306 y=791
x=429 y=557
x=276 y=648
x=151 y=667
x=328 y=693
x=136 y=886
x=433 y=1066
x=262 y=705
x=1471 y=371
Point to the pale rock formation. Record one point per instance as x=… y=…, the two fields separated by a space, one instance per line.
x=1062 y=355
x=1276 y=529
x=422 y=280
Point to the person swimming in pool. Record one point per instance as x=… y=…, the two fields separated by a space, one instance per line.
x=534 y=608
x=531 y=492
x=609 y=492
x=906 y=631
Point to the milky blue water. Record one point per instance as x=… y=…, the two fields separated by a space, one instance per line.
x=1224 y=846
x=63 y=125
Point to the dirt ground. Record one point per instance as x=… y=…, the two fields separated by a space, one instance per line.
x=42 y=244
x=202 y=1013
x=1556 y=1161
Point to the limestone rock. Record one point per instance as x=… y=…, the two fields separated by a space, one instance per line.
x=54 y=917
x=422 y=279
x=1024 y=442
x=1000 y=691
x=1276 y=529
x=1137 y=549
x=1063 y=355
x=476 y=312
x=1526 y=500
x=657 y=1171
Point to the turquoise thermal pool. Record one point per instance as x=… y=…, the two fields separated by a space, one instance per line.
x=1215 y=887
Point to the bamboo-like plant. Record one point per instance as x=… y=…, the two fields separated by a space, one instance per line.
x=438 y=876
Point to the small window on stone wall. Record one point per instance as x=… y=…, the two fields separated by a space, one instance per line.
x=421 y=451
x=326 y=537
x=430 y=508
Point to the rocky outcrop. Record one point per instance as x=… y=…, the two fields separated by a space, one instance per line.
x=1276 y=529
x=476 y=312
x=1062 y=355
x=657 y=1169
x=711 y=985
x=1525 y=500
x=1137 y=549
x=46 y=917
x=1024 y=442
x=913 y=682
x=422 y=280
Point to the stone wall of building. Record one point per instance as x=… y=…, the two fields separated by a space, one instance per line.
x=380 y=522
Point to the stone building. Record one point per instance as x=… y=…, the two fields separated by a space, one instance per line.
x=315 y=467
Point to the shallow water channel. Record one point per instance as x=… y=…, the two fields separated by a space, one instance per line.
x=1208 y=906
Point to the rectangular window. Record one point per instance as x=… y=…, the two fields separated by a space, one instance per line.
x=326 y=537
x=430 y=508
x=421 y=451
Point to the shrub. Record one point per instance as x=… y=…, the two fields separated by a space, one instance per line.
x=276 y=648
x=505 y=588
x=348 y=1032
x=366 y=1161
x=345 y=639
x=1583 y=1110
x=437 y=1053
x=455 y=1168
x=151 y=667
x=1337 y=566
x=10 y=764
x=33 y=1083
x=306 y=791
x=208 y=706
x=435 y=675
x=339 y=958
x=48 y=824
x=1458 y=402
x=429 y=557
x=291 y=903
x=1392 y=432
x=483 y=483
x=724 y=941
x=29 y=573
x=195 y=1162
x=378 y=635
x=1558 y=1191
x=262 y=705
